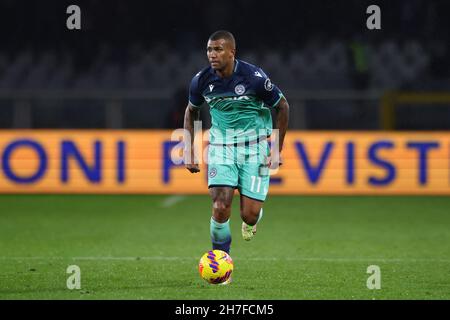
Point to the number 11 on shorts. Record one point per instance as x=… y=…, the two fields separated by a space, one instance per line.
x=252 y=188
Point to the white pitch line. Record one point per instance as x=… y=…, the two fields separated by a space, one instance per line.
x=169 y=258
x=172 y=200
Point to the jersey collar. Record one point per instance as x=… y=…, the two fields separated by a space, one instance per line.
x=236 y=64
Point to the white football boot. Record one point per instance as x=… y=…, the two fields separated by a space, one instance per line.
x=248 y=232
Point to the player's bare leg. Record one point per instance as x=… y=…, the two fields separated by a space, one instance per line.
x=251 y=213
x=222 y=198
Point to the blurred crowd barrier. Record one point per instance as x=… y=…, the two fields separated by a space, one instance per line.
x=144 y=109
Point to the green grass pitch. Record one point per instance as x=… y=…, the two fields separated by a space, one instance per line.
x=148 y=247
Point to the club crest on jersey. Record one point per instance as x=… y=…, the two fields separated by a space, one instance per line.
x=213 y=172
x=239 y=89
x=268 y=85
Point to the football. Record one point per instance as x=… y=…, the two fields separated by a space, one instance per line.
x=215 y=266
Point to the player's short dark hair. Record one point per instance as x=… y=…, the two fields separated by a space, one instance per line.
x=223 y=34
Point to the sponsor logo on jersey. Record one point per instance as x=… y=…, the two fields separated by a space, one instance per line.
x=258 y=74
x=216 y=99
x=239 y=89
x=268 y=85
x=236 y=98
x=211 y=87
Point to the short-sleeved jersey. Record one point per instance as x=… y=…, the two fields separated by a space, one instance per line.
x=239 y=104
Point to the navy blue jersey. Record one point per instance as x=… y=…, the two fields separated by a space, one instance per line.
x=237 y=103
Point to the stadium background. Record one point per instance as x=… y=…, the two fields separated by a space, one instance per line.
x=370 y=115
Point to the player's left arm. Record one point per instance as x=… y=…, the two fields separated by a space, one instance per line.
x=281 y=123
x=273 y=97
x=282 y=120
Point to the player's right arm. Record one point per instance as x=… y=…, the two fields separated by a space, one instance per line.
x=191 y=114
